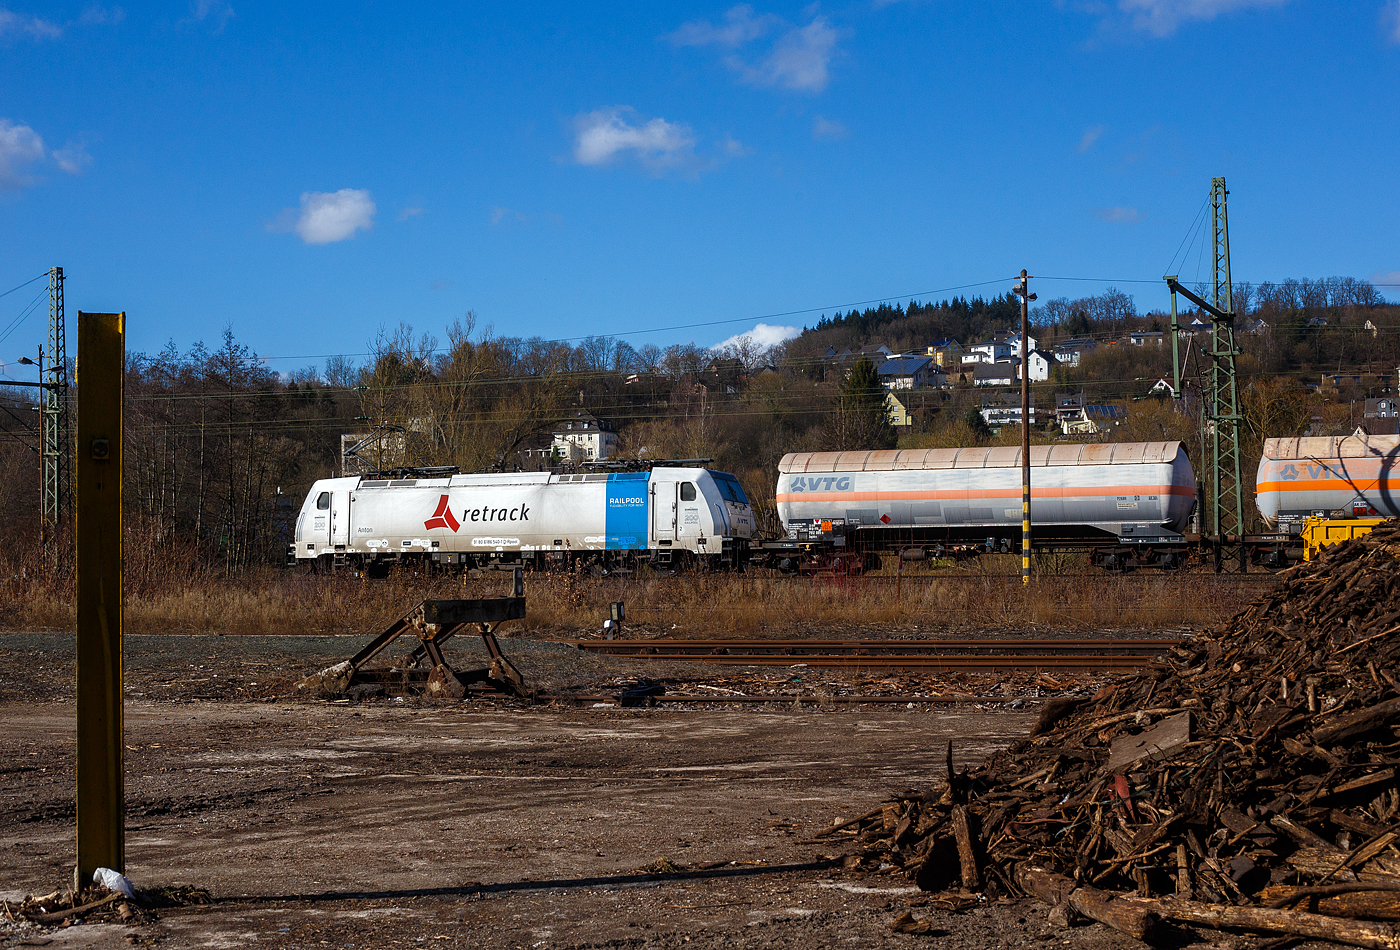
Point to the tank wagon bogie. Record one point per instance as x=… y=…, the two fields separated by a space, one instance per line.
x=670 y=517
x=1129 y=503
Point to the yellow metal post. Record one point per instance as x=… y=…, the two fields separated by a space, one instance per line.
x=100 y=803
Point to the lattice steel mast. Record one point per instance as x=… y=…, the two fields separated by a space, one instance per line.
x=1221 y=409
x=57 y=500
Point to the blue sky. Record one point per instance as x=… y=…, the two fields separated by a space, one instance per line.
x=307 y=174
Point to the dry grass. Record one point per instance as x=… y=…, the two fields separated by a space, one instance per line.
x=984 y=596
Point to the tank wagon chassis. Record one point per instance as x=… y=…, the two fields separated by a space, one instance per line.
x=1127 y=504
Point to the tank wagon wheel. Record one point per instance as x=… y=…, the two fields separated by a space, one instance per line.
x=1114 y=564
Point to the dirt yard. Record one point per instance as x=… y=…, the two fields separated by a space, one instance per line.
x=409 y=824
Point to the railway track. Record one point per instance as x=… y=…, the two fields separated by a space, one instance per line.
x=969 y=656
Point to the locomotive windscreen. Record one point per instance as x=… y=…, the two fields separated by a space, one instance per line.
x=731 y=489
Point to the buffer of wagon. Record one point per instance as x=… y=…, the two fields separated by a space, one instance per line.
x=432 y=623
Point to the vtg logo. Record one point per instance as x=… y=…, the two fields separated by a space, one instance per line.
x=1315 y=472
x=828 y=483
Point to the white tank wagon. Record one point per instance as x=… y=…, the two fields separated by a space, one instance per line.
x=1129 y=492
x=1353 y=476
x=669 y=516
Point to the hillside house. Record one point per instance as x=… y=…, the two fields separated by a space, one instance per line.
x=1386 y=407
x=1013 y=340
x=1068 y=352
x=899 y=413
x=993 y=374
x=1162 y=387
x=989 y=351
x=1146 y=338
x=1039 y=364
x=947 y=352
x=910 y=372
x=1003 y=410
x=1331 y=382
x=584 y=438
x=1075 y=417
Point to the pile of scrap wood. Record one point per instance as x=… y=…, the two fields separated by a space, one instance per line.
x=1245 y=780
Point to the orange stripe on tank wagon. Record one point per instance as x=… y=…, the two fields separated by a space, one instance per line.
x=1329 y=484
x=1084 y=492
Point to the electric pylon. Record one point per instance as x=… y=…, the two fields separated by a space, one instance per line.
x=1221 y=407
x=56 y=438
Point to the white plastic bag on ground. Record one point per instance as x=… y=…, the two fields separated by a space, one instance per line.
x=114 y=882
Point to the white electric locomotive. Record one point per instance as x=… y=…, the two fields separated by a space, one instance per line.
x=669 y=516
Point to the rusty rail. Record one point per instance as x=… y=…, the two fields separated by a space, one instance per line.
x=932 y=655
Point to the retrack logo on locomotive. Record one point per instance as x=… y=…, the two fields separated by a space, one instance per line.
x=444 y=518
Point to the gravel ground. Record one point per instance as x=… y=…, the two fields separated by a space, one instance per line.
x=484 y=824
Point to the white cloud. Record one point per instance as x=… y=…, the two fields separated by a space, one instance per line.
x=828 y=129
x=1162 y=17
x=72 y=158
x=1090 y=137
x=18 y=24
x=1390 y=21
x=740 y=26
x=733 y=148
x=762 y=337
x=327 y=217
x=499 y=214
x=414 y=212
x=93 y=15
x=1119 y=215
x=215 y=12
x=604 y=135
x=20 y=146
x=799 y=59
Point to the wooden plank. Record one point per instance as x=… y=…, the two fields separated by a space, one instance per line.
x=967 y=851
x=1157 y=741
x=484 y=610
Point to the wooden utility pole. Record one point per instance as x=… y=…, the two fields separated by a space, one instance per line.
x=1020 y=289
x=100 y=798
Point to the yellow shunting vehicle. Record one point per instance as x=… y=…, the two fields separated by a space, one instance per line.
x=1317 y=533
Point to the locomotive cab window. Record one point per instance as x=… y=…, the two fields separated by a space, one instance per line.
x=323 y=501
x=687 y=491
x=731 y=489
